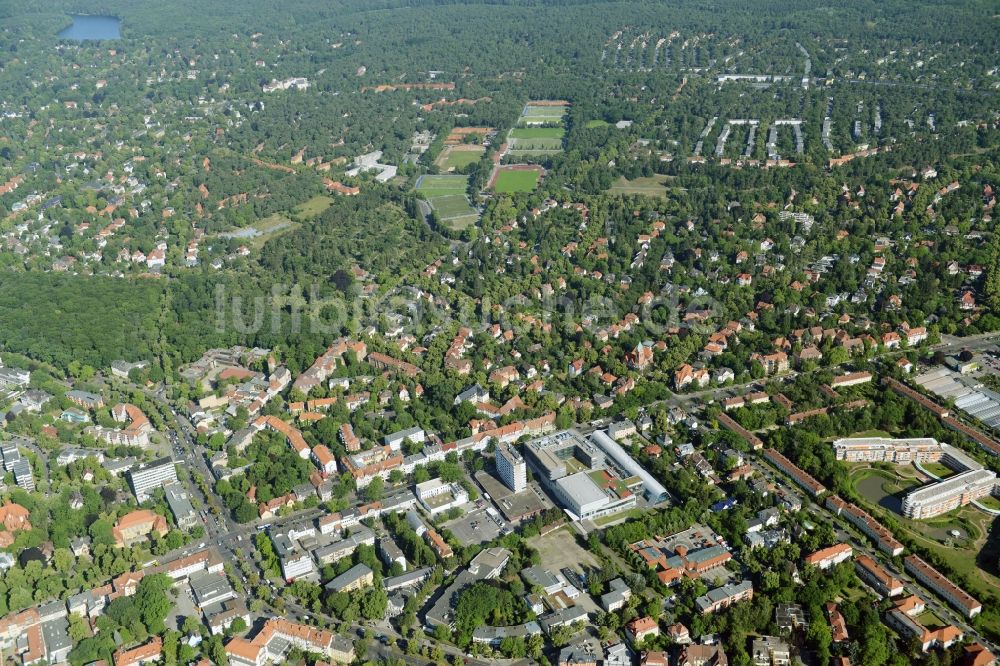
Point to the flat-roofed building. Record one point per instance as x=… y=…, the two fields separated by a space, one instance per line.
x=770 y=651
x=583 y=497
x=723 y=597
x=888 y=450
x=144 y=478
x=210 y=588
x=180 y=505
x=437 y=496
x=511 y=467
x=947 y=494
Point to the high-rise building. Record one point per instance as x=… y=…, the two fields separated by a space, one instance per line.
x=147 y=477
x=511 y=467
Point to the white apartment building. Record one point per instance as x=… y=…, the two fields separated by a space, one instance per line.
x=948 y=494
x=511 y=467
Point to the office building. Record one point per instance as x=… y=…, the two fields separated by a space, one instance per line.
x=180 y=505
x=144 y=478
x=436 y=496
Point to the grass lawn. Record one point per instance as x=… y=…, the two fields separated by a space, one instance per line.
x=537 y=133
x=458 y=157
x=313 y=207
x=591 y=124
x=855 y=594
x=938 y=469
x=440 y=186
x=990 y=502
x=516 y=181
x=618 y=517
x=931 y=621
x=872 y=433
x=653 y=186
x=268 y=228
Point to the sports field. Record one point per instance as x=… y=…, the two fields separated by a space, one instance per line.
x=537 y=133
x=509 y=181
x=532 y=115
x=459 y=157
x=452 y=206
x=430 y=186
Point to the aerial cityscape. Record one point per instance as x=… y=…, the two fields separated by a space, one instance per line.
x=474 y=332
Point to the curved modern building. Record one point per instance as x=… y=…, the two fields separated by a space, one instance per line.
x=655 y=492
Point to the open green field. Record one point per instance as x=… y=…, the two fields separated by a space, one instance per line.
x=440 y=186
x=313 y=207
x=872 y=433
x=591 y=124
x=459 y=157
x=516 y=181
x=262 y=231
x=631 y=514
x=537 y=133
x=652 y=186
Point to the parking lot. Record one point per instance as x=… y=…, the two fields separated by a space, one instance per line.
x=515 y=507
x=183 y=607
x=476 y=526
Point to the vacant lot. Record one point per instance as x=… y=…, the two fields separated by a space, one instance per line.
x=453 y=158
x=262 y=231
x=560 y=549
x=313 y=207
x=653 y=186
x=516 y=181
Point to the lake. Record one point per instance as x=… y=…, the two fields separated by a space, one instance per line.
x=93 y=27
